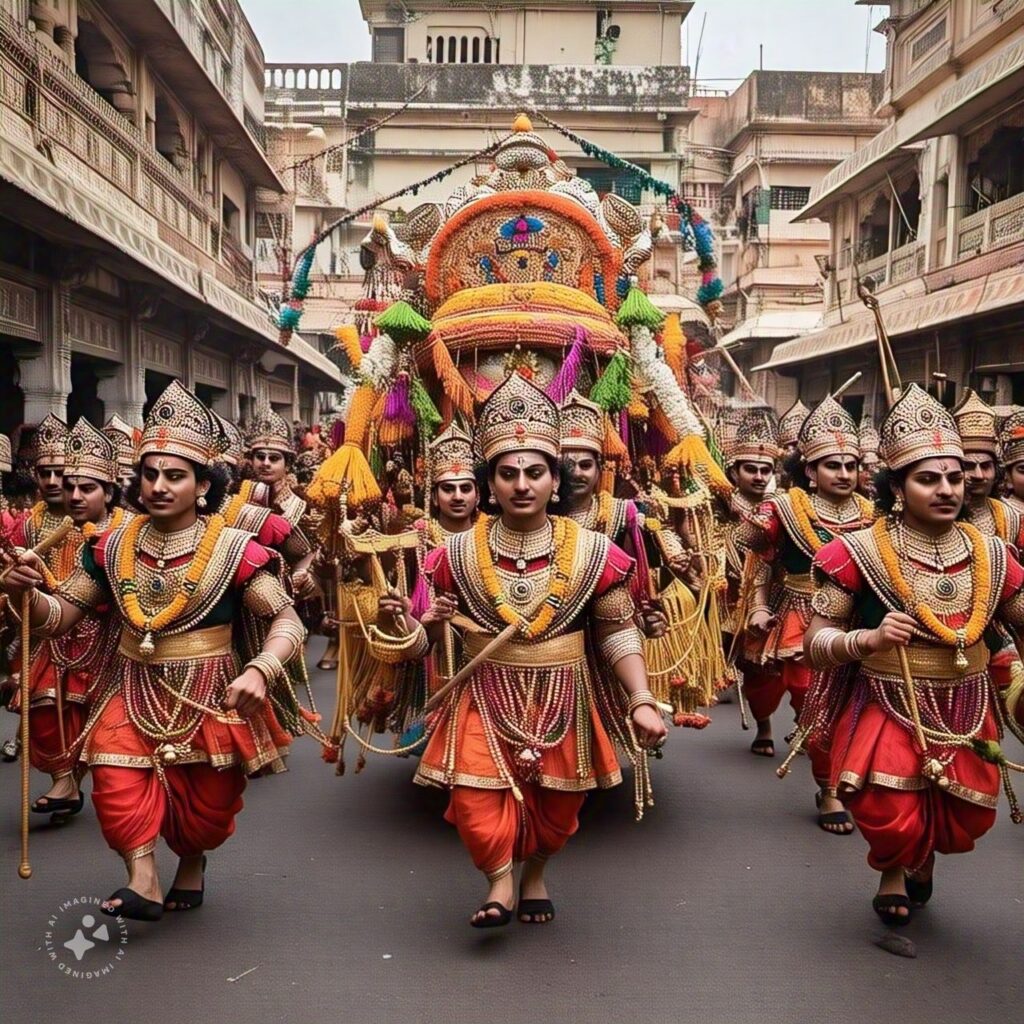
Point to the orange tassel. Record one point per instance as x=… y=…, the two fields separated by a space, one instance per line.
x=673 y=344
x=660 y=422
x=614 y=448
x=454 y=385
x=348 y=339
x=360 y=412
x=392 y=432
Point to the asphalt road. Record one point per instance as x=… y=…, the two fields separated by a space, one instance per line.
x=346 y=900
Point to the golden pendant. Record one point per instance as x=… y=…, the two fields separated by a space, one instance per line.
x=167 y=753
x=147 y=648
x=960 y=661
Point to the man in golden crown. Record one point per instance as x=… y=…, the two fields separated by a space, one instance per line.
x=528 y=731
x=907 y=701
x=976 y=422
x=790 y=423
x=46 y=454
x=122 y=436
x=67 y=670
x=1011 y=442
x=785 y=532
x=751 y=458
x=207 y=629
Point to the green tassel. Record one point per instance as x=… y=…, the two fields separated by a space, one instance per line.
x=376 y=461
x=989 y=750
x=428 y=419
x=614 y=388
x=403 y=323
x=638 y=310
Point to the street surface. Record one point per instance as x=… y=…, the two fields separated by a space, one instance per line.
x=346 y=900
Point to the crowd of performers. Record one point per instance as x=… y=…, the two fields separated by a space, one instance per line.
x=513 y=632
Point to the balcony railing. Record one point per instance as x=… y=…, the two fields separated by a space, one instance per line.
x=995 y=226
x=103 y=153
x=236 y=268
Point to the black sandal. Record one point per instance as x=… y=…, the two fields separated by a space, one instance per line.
x=918 y=892
x=133 y=906
x=886 y=907
x=835 y=818
x=62 y=805
x=185 y=899
x=532 y=908
x=763 y=748
x=487 y=921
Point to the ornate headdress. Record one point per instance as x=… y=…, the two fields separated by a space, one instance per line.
x=869 y=439
x=269 y=431
x=122 y=437
x=790 y=423
x=450 y=456
x=1011 y=439
x=828 y=430
x=581 y=423
x=179 y=424
x=517 y=416
x=234 y=450
x=757 y=438
x=976 y=422
x=89 y=452
x=48 y=442
x=917 y=427
x=6 y=461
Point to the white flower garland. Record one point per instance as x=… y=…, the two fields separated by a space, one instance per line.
x=663 y=383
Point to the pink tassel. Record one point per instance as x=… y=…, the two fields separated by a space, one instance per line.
x=365 y=342
x=397 y=406
x=565 y=380
x=624 y=428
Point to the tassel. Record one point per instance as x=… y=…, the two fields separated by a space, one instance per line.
x=638 y=311
x=428 y=419
x=565 y=380
x=692 y=454
x=360 y=410
x=403 y=323
x=398 y=417
x=673 y=344
x=659 y=422
x=614 y=447
x=614 y=388
x=348 y=466
x=454 y=386
x=348 y=341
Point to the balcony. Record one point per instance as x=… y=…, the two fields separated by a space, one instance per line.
x=63 y=144
x=995 y=226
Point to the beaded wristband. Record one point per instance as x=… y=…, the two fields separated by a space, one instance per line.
x=621 y=644
x=821 y=648
x=268 y=665
x=640 y=699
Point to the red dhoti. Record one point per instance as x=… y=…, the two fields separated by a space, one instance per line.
x=763 y=688
x=193 y=807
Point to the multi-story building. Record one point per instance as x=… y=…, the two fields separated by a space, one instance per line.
x=447 y=80
x=929 y=214
x=758 y=153
x=131 y=153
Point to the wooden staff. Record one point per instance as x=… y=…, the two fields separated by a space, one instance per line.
x=54 y=538
x=843 y=388
x=492 y=648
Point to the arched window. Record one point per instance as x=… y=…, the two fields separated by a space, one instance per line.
x=430 y=49
x=476 y=49
x=464 y=50
x=487 y=50
x=453 y=55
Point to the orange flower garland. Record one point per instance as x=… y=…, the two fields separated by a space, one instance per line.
x=805 y=515
x=126 y=577
x=564 y=539
x=999 y=515
x=980 y=583
x=243 y=497
x=116 y=519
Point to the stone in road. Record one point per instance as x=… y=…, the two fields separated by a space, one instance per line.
x=346 y=900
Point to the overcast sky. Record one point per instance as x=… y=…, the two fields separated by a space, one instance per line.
x=798 y=35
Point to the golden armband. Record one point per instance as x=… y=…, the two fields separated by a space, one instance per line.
x=264 y=595
x=290 y=631
x=621 y=644
x=833 y=602
x=81 y=590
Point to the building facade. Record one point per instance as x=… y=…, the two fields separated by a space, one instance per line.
x=446 y=82
x=929 y=215
x=131 y=155
x=760 y=152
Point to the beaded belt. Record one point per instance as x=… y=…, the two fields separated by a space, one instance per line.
x=929 y=661
x=192 y=646
x=553 y=653
x=800 y=583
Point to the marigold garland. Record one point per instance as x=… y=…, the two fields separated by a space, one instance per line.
x=565 y=536
x=234 y=506
x=999 y=515
x=127 y=583
x=806 y=516
x=980 y=583
x=90 y=530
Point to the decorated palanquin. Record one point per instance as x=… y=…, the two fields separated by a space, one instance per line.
x=524 y=270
